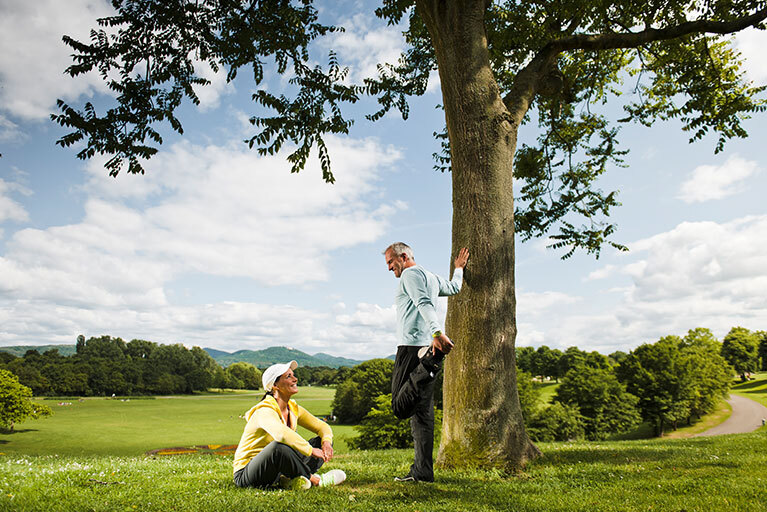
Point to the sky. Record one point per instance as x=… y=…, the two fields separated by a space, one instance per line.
x=219 y=247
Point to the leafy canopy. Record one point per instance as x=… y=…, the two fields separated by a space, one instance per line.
x=557 y=63
x=16 y=404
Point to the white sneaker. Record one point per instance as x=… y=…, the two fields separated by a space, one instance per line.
x=332 y=477
x=299 y=483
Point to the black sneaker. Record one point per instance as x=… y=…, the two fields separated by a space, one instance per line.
x=431 y=360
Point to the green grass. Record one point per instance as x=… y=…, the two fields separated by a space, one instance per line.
x=718 y=416
x=89 y=456
x=100 y=426
x=755 y=389
x=725 y=473
x=547 y=390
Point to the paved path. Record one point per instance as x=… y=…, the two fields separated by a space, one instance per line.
x=747 y=416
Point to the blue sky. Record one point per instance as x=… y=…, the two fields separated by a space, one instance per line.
x=221 y=248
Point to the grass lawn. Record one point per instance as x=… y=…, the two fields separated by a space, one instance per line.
x=724 y=474
x=755 y=389
x=547 y=390
x=100 y=426
x=90 y=456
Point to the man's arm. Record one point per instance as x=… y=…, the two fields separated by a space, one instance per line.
x=440 y=341
x=454 y=285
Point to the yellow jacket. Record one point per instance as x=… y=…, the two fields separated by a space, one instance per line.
x=266 y=424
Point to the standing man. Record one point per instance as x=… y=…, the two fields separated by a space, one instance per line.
x=421 y=347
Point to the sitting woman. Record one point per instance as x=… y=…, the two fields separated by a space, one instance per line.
x=270 y=451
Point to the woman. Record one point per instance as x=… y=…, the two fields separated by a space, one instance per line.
x=270 y=451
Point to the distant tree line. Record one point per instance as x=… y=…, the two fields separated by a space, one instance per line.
x=744 y=350
x=105 y=366
x=102 y=366
x=321 y=375
x=666 y=383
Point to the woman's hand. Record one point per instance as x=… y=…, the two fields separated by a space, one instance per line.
x=327 y=449
x=316 y=452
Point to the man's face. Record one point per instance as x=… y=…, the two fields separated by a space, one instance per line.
x=396 y=263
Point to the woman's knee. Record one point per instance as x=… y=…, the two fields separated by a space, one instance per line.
x=278 y=449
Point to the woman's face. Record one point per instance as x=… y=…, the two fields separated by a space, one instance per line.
x=287 y=384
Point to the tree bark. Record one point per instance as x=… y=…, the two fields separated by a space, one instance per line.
x=482 y=423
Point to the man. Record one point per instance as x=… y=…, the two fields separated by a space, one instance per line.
x=421 y=347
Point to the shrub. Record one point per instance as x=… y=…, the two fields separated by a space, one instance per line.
x=16 y=403
x=356 y=395
x=559 y=422
x=380 y=429
x=529 y=394
x=601 y=399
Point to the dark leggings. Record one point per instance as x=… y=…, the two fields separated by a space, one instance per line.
x=277 y=459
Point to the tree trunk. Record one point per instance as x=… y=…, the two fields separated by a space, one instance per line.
x=482 y=423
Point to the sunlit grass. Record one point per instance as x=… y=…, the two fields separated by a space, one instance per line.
x=755 y=389
x=101 y=426
x=90 y=457
x=702 y=474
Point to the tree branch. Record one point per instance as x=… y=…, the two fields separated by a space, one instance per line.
x=526 y=84
x=633 y=40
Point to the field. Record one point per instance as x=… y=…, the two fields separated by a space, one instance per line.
x=755 y=389
x=90 y=456
x=99 y=426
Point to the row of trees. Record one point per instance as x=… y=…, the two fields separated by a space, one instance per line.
x=321 y=375
x=104 y=366
x=744 y=350
x=665 y=383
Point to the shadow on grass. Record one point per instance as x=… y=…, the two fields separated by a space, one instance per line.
x=750 y=385
x=754 y=391
x=7 y=432
x=626 y=454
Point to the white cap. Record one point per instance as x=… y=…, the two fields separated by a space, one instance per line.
x=273 y=372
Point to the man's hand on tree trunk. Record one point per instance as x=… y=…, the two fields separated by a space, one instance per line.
x=463 y=257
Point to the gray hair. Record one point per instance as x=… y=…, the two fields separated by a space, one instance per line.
x=400 y=248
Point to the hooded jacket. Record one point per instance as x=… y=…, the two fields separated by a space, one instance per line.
x=266 y=424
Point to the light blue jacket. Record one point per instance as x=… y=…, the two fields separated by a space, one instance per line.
x=416 y=302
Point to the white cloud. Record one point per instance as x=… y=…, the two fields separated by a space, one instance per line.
x=10 y=209
x=212 y=211
x=226 y=325
x=210 y=95
x=10 y=131
x=369 y=315
x=751 y=43
x=699 y=274
x=364 y=44
x=34 y=57
x=708 y=182
x=602 y=273
x=368 y=331
x=534 y=314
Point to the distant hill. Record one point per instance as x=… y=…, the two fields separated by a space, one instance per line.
x=272 y=355
x=260 y=358
x=20 y=350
